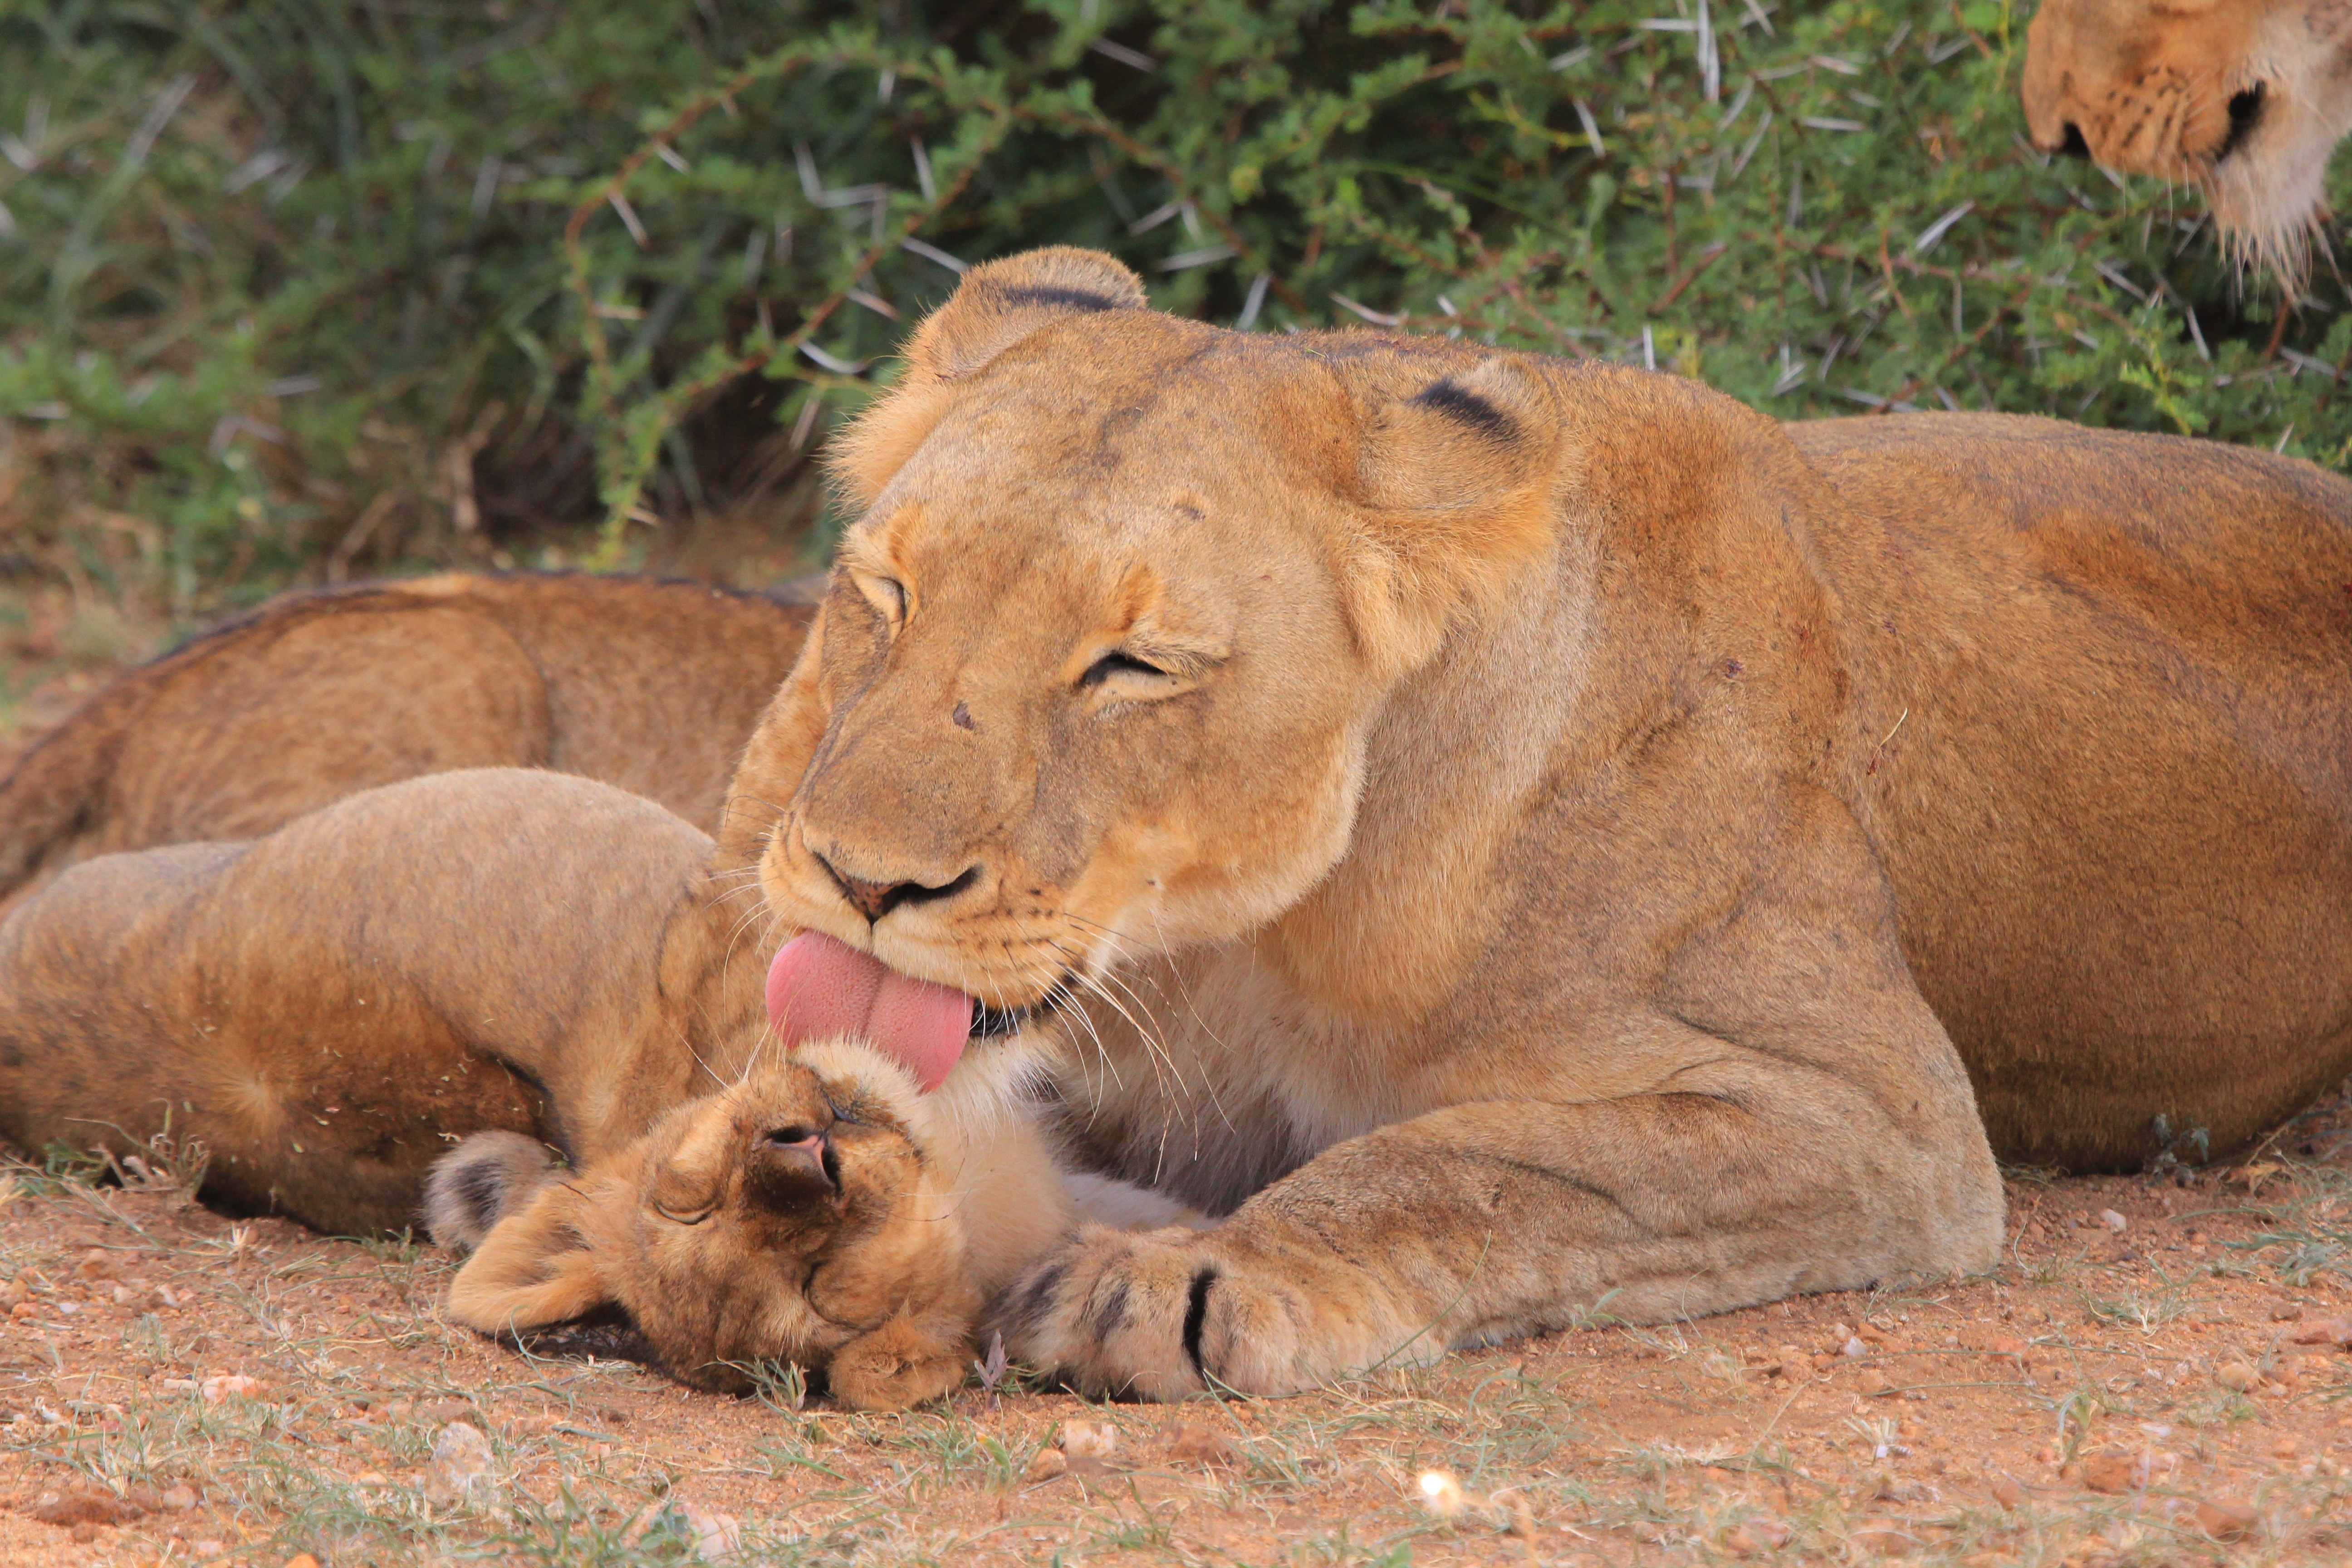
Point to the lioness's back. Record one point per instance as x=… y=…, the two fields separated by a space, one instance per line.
x=2106 y=685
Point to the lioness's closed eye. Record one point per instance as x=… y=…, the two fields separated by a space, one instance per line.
x=813 y=1212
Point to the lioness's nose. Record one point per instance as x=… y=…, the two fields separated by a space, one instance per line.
x=875 y=899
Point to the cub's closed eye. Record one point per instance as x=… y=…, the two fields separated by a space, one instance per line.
x=886 y=595
x=1112 y=664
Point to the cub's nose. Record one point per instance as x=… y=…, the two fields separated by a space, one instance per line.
x=792 y=1164
x=875 y=899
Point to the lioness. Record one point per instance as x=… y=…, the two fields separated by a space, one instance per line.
x=525 y=956
x=2243 y=99
x=1515 y=835
x=648 y=685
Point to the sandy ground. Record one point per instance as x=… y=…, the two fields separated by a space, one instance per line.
x=2154 y=1375
x=175 y=1385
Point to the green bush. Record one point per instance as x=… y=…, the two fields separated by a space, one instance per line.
x=296 y=287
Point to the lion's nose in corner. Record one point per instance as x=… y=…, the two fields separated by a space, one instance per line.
x=875 y=899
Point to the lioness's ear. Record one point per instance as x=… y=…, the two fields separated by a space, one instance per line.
x=997 y=305
x=1000 y=303
x=1458 y=479
x=543 y=1265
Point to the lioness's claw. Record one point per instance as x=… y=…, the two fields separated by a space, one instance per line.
x=1169 y=1314
x=1108 y=1312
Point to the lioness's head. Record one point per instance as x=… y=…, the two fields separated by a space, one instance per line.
x=1116 y=619
x=787 y=1218
x=2245 y=99
x=1122 y=600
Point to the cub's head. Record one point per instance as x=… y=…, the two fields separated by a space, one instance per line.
x=1123 y=601
x=795 y=1216
x=2245 y=99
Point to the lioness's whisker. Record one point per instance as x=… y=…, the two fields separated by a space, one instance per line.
x=1130 y=967
x=1163 y=1066
x=732 y=801
x=749 y=916
x=1153 y=1037
x=1216 y=1102
x=1102 y=1051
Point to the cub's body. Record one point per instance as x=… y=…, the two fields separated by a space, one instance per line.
x=491 y=962
x=326 y=1008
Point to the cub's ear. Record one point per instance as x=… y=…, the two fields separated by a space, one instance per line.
x=997 y=305
x=1458 y=479
x=547 y=1264
x=482 y=1180
x=690 y=1182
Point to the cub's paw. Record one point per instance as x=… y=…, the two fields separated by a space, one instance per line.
x=895 y=1367
x=1172 y=1313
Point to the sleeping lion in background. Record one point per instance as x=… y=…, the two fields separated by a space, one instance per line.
x=521 y=959
x=649 y=685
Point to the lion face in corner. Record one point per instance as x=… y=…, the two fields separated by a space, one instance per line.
x=1101 y=658
x=2243 y=99
x=792 y=1217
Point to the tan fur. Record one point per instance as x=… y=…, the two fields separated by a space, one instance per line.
x=1544 y=828
x=648 y=685
x=521 y=955
x=2147 y=86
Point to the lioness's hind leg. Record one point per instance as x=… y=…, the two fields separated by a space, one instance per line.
x=480 y=1181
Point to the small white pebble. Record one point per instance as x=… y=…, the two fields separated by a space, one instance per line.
x=1089 y=1439
x=2113 y=1221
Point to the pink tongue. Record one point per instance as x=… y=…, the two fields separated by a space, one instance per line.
x=820 y=989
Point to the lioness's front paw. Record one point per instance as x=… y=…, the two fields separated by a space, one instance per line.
x=1166 y=1314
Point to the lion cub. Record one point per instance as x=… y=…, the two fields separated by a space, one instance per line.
x=532 y=958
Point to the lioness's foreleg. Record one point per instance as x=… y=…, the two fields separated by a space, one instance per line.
x=1481 y=1221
